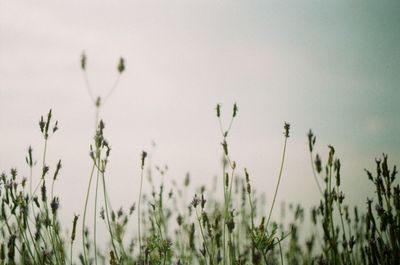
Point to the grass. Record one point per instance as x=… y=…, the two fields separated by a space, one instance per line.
x=171 y=229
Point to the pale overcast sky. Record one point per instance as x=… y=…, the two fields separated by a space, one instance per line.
x=332 y=66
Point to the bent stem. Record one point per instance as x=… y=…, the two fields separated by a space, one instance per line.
x=279 y=180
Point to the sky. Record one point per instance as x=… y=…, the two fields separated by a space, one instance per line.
x=332 y=66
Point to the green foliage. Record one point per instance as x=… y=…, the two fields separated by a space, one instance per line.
x=205 y=230
x=172 y=229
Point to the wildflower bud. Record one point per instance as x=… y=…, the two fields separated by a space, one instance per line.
x=337 y=169
x=46 y=128
x=394 y=173
x=225 y=147
x=230 y=224
x=57 y=170
x=74 y=227
x=356 y=218
x=331 y=154
x=248 y=188
x=55 y=127
x=54 y=205
x=369 y=175
x=83 y=61
x=311 y=140
x=218 y=108
x=113 y=259
x=318 y=164
x=102 y=216
x=45 y=169
x=23 y=183
x=235 y=110
x=13 y=173
x=29 y=157
x=195 y=201
x=203 y=201
x=286 y=127
x=144 y=155
x=43 y=191
x=121 y=65
x=41 y=124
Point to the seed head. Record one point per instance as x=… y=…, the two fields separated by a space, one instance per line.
x=54 y=205
x=286 y=127
x=218 y=109
x=121 y=65
x=144 y=155
x=235 y=110
x=74 y=227
x=225 y=147
x=311 y=140
x=195 y=201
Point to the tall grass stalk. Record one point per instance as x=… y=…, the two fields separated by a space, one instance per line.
x=286 y=134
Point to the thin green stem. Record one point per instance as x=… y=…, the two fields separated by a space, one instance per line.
x=139 y=213
x=84 y=213
x=108 y=217
x=279 y=180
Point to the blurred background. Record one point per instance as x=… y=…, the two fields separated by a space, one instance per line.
x=332 y=67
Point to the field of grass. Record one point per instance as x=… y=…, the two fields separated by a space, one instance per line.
x=170 y=229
